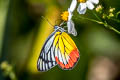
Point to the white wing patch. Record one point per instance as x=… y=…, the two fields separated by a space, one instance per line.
x=48 y=44
x=59 y=56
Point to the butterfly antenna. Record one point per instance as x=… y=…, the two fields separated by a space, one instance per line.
x=47 y=21
x=62 y=23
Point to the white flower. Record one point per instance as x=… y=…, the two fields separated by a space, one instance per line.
x=67 y=16
x=71 y=25
x=73 y=5
x=84 y=4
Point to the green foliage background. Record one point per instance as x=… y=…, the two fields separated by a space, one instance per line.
x=20 y=21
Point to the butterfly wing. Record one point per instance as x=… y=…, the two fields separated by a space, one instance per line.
x=46 y=59
x=66 y=52
x=59 y=49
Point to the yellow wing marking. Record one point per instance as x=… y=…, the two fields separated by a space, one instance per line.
x=67 y=51
x=57 y=46
x=56 y=40
x=64 y=42
x=61 y=45
x=67 y=44
x=57 y=33
x=68 y=38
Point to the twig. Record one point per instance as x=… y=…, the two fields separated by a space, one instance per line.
x=103 y=23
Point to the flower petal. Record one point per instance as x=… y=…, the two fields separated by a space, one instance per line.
x=90 y=5
x=70 y=14
x=82 y=8
x=73 y=5
x=94 y=1
x=71 y=28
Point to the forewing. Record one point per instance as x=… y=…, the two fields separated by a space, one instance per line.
x=46 y=59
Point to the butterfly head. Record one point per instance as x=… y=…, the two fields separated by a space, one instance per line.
x=59 y=28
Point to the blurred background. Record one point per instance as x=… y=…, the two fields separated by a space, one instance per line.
x=23 y=32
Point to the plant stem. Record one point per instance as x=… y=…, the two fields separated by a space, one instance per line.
x=103 y=23
x=111 y=28
x=93 y=20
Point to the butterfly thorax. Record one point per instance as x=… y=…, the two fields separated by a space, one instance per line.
x=57 y=28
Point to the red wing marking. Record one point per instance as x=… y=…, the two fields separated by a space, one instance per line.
x=62 y=65
x=76 y=53
x=70 y=63
x=73 y=58
x=67 y=66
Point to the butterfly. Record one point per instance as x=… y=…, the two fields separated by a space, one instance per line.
x=59 y=49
